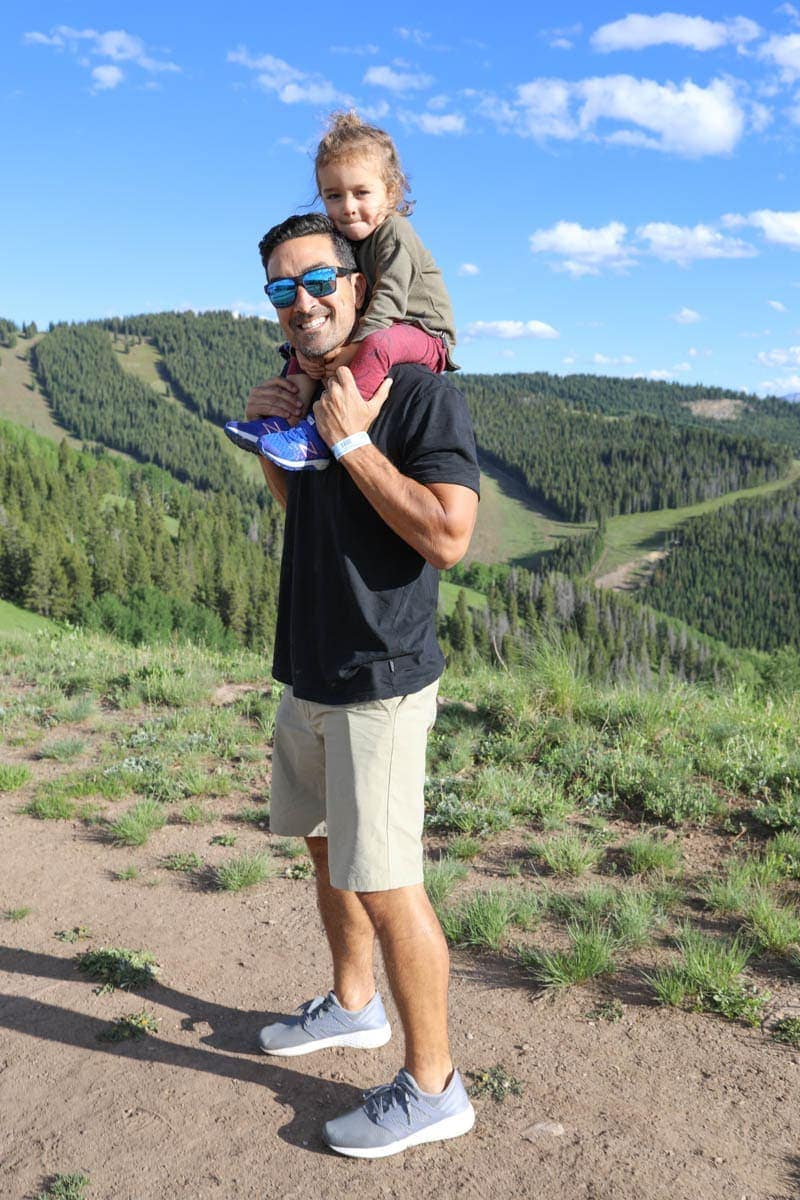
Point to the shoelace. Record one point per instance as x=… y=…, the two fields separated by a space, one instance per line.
x=313 y=1009
x=380 y=1100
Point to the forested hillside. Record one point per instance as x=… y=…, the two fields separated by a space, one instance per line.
x=588 y=466
x=96 y=400
x=736 y=573
x=211 y=359
x=771 y=418
x=128 y=549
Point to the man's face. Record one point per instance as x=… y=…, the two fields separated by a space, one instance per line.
x=316 y=326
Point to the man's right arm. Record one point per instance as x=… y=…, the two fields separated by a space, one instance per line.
x=278 y=397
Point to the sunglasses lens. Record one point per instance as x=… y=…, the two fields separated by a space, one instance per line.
x=282 y=292
x=320 y=282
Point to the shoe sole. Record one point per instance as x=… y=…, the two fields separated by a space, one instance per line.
x=366 y=1039
x=243 y=441
x=293 y=464
x=450 y=1127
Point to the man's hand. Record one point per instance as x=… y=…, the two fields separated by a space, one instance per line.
x=341 y=410
x=276 y=397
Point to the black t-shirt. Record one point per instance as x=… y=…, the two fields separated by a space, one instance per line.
x=357 y=605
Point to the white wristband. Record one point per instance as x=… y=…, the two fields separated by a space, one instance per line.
x=339 y=449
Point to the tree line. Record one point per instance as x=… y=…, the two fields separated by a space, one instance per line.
x=210 y=359
x=589 y=467
x=101 y=542
x=736 y=572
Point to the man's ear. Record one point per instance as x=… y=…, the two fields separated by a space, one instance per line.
x=359 y=282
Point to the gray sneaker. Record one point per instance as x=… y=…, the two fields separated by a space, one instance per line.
x=322 y=1022
x=399 y=1115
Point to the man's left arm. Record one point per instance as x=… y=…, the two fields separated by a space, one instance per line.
x=435 y=519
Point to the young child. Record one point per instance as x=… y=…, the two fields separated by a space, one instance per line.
x=408 y=317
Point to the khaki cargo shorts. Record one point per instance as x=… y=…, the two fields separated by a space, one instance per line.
x=355 y=773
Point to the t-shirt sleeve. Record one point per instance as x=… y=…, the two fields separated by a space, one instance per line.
x=439 y=446
x=394 y=273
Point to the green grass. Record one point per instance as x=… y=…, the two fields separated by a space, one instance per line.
x=591 y=954
x=632 y=537
x=13 y=776
x=465 y=849
x=708 y=978
x=125 y=873
x=234 y=874
x=130 y=1027
x=15 y=620
x=17 y=914
x=134 y=827
x=51 y=805
x=512 y=526
x=774 y=927
x=185 y=862
x=256 y=816
x=63 y=749
x=441 y=877
x=648 y=853
x=567 y=854
x=495 y=1083
x=65 y=1187
x=480 y=922
x=114 y=967
x=196 y=814
x=448 y=596
x=787 y=1031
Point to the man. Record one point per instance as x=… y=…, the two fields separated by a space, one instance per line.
x=355 y=644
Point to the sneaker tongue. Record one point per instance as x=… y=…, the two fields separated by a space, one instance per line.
x=407 y=1079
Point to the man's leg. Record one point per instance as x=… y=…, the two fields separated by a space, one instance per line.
x=417 y=963
x=349 y=932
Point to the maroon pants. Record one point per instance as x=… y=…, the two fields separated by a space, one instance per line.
x=381 y=351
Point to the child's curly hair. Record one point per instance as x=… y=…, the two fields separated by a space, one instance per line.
x=348 y=137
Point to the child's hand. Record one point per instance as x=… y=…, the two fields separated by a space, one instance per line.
x=342 y=359
x=276 y=397
x=314 y=368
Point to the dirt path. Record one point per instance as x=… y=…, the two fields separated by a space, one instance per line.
x=658 y=1106
x=621 y=579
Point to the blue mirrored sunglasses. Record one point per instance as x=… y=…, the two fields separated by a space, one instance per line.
x=319 y=281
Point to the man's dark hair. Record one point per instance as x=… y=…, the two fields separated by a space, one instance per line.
x=307 y=225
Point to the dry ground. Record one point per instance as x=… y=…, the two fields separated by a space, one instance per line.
x=660 y=1105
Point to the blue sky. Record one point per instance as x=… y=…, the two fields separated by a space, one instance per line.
x=606 y=189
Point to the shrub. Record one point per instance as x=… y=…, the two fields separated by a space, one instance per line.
x=245 y=871
x=118 y=968
x=133 y=828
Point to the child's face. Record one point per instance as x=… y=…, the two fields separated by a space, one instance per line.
x=355 y=196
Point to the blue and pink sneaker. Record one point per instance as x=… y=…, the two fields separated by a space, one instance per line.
x=298 y=449
x=247 y=434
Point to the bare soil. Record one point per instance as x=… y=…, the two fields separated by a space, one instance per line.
x=660 y=1105
x=718 y=410
x=630 y=575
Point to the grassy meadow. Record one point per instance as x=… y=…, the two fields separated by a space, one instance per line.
x=576 y=834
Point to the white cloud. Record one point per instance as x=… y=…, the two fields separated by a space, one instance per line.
x=418 y=36
x=683 y=119
x=659 y=375
x=433 y=123
x=784 y=53
x=786 y=386
x=106 y=78
x=780 y=358
x=790 y=11
x=569 y=360
x=291 y=85
x=686 y=316
x=360 y=50
x=778 y=306
x=605 y=360
x=585 y=251
x=782 y=228
x=469 y=269
x=683 y=244
x=637 y=32
x=562 y=38
x=398 y=82
x=510 y=330
x=115 y=44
